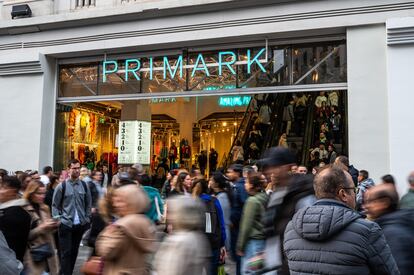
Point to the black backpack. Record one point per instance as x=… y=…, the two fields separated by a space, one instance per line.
x=212 y=226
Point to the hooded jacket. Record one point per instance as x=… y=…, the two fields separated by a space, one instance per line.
x=152 y=213
x=331 y=238
x=398 y=228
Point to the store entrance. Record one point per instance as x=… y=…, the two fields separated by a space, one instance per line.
x=205 y=133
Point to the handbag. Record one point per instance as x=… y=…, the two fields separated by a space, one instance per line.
x=93 y=266
x=41 y=252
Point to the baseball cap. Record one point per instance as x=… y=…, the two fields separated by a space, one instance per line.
x=277 y=156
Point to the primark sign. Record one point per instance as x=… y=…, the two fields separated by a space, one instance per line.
x=223 y=62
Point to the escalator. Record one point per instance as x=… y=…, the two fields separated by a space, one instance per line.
x=276 y=122
x=269 y=134
x=241 y=135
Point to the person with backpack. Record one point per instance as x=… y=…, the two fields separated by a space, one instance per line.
x=215 y=226
x=221 y=188
x=238 y=198
x=72 y=206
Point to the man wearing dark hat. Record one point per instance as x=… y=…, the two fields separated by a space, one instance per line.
x=291 y=192
x=239 y=196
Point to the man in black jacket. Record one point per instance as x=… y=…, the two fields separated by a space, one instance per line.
x=330 y=237
x=14 y=220
x=290 y=193
x=381 y=203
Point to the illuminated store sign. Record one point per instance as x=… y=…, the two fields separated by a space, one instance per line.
x=234 y=101
x=134 y=142
x=131 y=68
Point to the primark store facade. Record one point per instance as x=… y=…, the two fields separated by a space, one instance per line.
x=69 y=79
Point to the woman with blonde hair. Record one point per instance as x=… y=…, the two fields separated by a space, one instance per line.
x=124 y=244
x=40 y=255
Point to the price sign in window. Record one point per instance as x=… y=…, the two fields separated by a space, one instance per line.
x=134 y=142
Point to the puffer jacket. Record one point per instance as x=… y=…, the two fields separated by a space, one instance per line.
x=331 y=238
x=398 y=228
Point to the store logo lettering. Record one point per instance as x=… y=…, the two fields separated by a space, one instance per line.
x=132 y=67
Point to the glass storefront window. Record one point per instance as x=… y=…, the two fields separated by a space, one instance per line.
x=215 y=70
x=80 y=80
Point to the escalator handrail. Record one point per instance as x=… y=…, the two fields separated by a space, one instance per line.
x=309 y=131
x=246 y=114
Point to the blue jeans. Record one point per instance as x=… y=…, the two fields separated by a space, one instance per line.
x=253 y=247
x=233 y=242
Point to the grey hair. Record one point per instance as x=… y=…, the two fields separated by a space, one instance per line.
x=185 y=213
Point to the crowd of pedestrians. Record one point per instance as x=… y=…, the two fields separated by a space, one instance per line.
x=271 y=218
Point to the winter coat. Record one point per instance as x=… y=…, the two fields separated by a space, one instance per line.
x=182 y=253
x=224 y=200
x=238 y=199
x=331 y=238
x=9 y=265
x=354 y=174
x=15 y=225
x=216 y=243
x=407 y=201
x=37 y=237
x=398 y=228
x=251 y=226
x=363 y=186
x=124 y=245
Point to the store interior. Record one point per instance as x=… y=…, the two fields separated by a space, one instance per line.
x=187 y=126
x=190 y=132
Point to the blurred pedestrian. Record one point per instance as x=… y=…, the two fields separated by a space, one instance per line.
x=24 y=179
x=72 y=205
x=331 y=237
x=381 y=204
x=14 y=220
x=155 y=209
x=166 y=188
x=9 y=265
x=291 y=192
x=214 y=226
x=3 y=172
x=364 y=183
x=219 y=186
x=186 y=249
x=343 y=161
x=41 y=234
x=47 y=173
x=238 y=198
x=251 y=240
x=124 y=244
x=407 y=201
x=388 y=179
